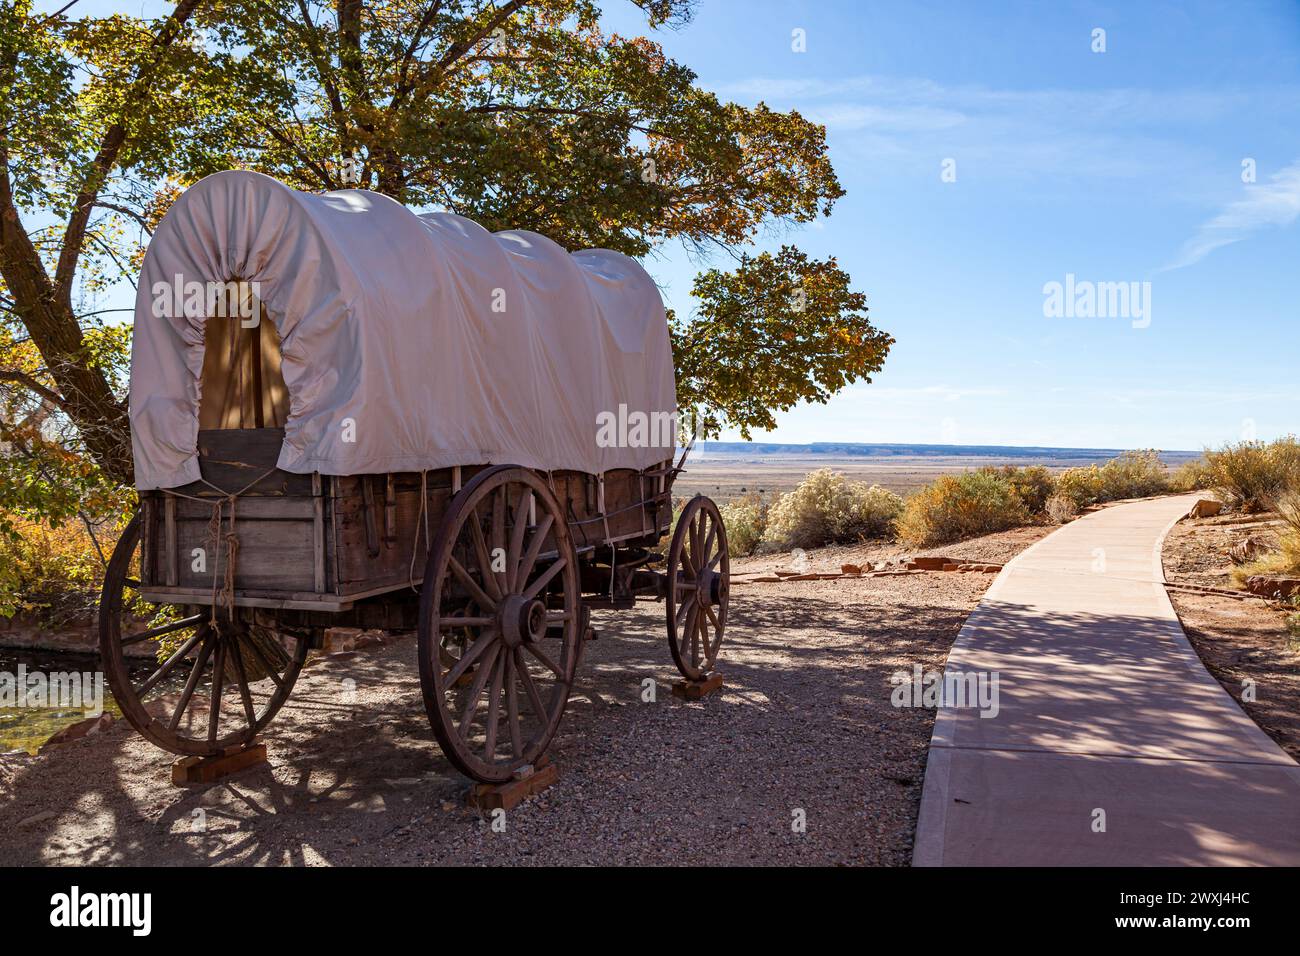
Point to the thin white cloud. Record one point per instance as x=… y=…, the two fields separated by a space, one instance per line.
x=1081 y=134
x=1275 y=203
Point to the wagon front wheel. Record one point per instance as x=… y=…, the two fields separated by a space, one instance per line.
x=500 y=624
x=699 y=574
x=203 y=688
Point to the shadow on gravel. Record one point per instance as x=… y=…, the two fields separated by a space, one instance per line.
x=804 y=724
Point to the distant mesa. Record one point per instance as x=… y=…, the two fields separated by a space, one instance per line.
x=729 y=449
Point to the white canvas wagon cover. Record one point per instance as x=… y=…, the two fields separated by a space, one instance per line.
x=409 y=342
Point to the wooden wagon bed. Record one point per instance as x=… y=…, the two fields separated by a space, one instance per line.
x=324 y=542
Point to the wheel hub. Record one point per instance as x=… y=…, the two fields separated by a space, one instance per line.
x=521 y=620
x=712 y=585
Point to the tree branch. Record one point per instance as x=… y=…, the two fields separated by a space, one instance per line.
x=25 y=380
x=110 y=148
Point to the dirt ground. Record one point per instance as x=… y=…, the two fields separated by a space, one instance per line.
x=803 y=731
x=1243 y=641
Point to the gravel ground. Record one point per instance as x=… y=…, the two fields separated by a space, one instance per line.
x=803 y=730
x=1242 y=640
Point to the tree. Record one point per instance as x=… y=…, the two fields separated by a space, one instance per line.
x=93 y=113
x=515 y=113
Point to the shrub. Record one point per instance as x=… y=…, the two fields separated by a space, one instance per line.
x=1133 y=474
x=1061 y=509
x=1081 y=486
x=745 y=519
x=50 y=572
x=1032 y=485
x=826 y=508
x=1250 y=476
x=960 y=506
x=1191 y=476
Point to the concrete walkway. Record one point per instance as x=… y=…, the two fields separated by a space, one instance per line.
x=1104 y=708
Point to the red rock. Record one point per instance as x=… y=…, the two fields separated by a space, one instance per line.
x=929 y=563
x=850 y=569
x=1269 y=586
x=1205 y=508
x=82 y=728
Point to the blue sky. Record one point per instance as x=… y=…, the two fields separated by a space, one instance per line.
x=1122 y=166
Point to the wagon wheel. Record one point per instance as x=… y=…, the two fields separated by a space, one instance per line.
x=500 y=612
x=255 y=672
x=699 y=575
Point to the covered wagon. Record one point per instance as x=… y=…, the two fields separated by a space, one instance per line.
x=347 y=414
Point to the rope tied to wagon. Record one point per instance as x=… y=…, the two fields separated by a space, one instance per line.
x=223 y=574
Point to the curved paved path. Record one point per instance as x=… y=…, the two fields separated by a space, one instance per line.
x=1103 y=706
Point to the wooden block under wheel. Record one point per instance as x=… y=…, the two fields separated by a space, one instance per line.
x=695 y=689
x=188 y=771
x=507 y=796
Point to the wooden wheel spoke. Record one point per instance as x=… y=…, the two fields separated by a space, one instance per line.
x=494 y=707
x=689 y=603
x=544 y=579
x=162 y=629
x=689 y=627
x=522 y=507
x=218 y=684
x=446 y=622
x=512 y=708
x=708 y=543
x=477 y=593
x=500 y=502
x=266 y=666
x=471 y=654
x=541 y=655
x=534 y=549
x=713 y=617
x=530 y=688
x=200 y=662
x=476 y=691
x=484 y=560
x=171 y=662
x=245 y=695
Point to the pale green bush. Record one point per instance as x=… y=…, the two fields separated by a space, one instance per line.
x=826 y=509
x=1082 y=486
x=745 y=519
x=1133 y=474
x=1191 y=476
x=1032 y=485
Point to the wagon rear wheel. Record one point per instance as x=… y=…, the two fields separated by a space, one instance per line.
x=500 y=624
x=699 y=573
x=169 y=697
